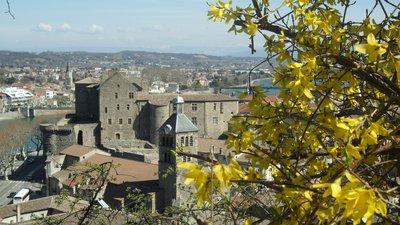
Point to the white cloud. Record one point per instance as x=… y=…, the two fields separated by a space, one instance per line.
x=96 y=29
x=45 y=27
x=65 y=27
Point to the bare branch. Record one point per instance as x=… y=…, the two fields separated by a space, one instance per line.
x=9 y=10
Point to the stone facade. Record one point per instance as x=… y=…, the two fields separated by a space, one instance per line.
x=118 y=109
x=87 y=134
x=87 y=99
x=126 y=111
x=178 y=132
x=56 y=138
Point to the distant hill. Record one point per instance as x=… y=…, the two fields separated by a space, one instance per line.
x=82 y=59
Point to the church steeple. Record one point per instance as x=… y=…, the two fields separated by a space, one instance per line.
x=177 y=132
x=67 y=69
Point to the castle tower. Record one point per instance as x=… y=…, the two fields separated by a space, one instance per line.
x=177 y=132
x=56 y=138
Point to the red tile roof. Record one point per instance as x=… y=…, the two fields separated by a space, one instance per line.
x=244 y=108
x=76 y=150
x=125 y=170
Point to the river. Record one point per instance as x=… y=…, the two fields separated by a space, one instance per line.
x=266 y=84
x=29 y=146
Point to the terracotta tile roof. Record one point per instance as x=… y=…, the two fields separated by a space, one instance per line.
x=76 y=150
x=267 y=98
x=126 y=170
x=41 y=204
x=244 y=108
x=165 y=99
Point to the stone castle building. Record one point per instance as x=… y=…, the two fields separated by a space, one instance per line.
x=118 y=115
x=126 y=113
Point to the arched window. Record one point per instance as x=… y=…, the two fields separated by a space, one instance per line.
x=182 y=140
x=165 y=156
x=118 y=136
x=117 y=106
x=191 y=141
x=80 y=138
x=186 y=141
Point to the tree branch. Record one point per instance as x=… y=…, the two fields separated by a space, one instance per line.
x=9 y=10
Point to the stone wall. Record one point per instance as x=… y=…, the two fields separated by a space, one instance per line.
x=212 y=117
x=158 y=115
x=118 y=110
x=87 y=102
x=87 y=134
x=56 y=138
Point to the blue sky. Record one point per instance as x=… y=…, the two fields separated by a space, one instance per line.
x=115 y=25
x=105 y=25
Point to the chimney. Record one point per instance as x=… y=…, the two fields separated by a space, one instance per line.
x=18 y=212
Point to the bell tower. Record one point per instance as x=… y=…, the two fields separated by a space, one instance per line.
x=177 y=132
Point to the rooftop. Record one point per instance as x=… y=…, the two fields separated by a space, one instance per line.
x=165 y=99
x=41 y=204
x=88 y=80
x=125 y=170
x=178 y=123
x=76 y=150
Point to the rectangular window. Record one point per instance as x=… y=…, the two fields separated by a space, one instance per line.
x=116 y=95
x=109 y=121
x=215 y=106
x=194 y=120
x=215 y=120
x=105 y=110
x=128 y=107
x=131 y=95
x=129 y=121
x=194 y=107
x=221 y=107
x=120 y=121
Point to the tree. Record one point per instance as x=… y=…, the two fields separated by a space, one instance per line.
x=332 y=142
x=36 y=140
x=13 y=136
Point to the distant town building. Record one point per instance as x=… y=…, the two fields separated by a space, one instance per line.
x=19 y=97
x=5 y=102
